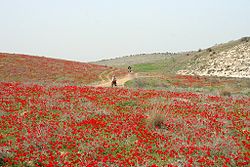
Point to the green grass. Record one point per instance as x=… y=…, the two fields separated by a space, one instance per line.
x=168 y=65
x=173 y=64
x=172 y=83
x=148 y=67
x=147 y=83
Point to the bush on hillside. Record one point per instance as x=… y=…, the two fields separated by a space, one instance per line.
x=209 y=49
x=244 y=39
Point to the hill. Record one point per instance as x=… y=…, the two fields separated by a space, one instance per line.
x=134 y=59
x=25 y=68
x=225 y=60
x=223 y=69
x=231 y=59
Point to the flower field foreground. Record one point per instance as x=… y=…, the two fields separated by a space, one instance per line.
x=94 y=126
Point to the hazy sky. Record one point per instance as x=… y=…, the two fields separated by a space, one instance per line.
x=87 y=30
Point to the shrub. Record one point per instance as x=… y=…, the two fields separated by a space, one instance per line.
x=209 y=49
x=3 y=154
x=155 y=120
x=225 y=93
x=244 y=39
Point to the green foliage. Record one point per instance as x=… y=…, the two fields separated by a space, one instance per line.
x=127 y=103
x=2 y=163
x=149 y=67
x=148 y=83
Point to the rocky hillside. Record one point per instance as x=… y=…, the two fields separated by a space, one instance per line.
x=233 y=61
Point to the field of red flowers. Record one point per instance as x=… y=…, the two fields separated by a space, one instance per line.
x=95 y=126
x=42 y=70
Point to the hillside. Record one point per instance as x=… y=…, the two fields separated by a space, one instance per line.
x=226 y=60
x=231 y=59
x=223 y=69
x=24 y=68
x=134 y=59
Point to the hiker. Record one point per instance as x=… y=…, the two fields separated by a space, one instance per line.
x=129 y=69
x=113 y=81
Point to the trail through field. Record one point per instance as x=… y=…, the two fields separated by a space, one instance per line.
x=120 y=81
x=106 y=78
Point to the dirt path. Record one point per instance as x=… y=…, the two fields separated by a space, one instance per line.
x=123 y=80
x=120 y=81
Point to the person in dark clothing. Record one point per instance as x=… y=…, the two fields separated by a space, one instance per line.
x=129 y=69
x=113 y=81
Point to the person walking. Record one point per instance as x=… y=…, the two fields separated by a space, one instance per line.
x=129 y=68
x=113 y=81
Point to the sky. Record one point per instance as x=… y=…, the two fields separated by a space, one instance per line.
x=91 y=30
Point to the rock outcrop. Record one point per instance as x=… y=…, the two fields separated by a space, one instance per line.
x=233 y=62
